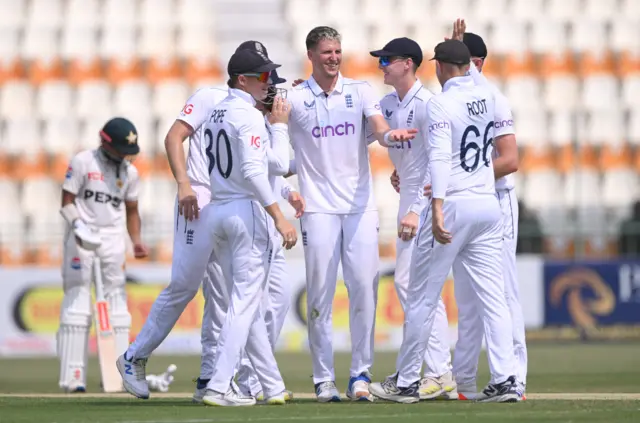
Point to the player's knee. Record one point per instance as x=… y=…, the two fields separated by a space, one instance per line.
x=75 y=309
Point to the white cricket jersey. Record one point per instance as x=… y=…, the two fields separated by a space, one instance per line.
x=195 y=113
x=329 y=141
x=101 y=187
x=239 y=139
x=460 y=121
x=409 y=158
x=503 y=124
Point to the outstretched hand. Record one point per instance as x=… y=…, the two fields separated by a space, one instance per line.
x=459 y=28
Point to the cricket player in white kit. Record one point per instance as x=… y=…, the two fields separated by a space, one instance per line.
x=242 y=220
x=194 y=193
x=277 y=301
x=99 y=193
x=407 y=106
x=505 y=162
x=464 y=232
x=340 y=224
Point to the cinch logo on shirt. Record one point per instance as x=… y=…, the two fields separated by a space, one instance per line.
x=502 y=123
x=346 y=128
x=439 y=125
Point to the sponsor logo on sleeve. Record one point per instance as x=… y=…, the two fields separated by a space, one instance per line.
x=187 y=109
x=503 y=124
x=255 y=141
x=69 y=173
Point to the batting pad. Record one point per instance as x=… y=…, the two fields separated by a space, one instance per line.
x=120 y=319
x=73 y=337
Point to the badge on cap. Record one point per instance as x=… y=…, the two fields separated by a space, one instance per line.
x=131 y=138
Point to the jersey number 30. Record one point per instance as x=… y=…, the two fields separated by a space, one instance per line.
x=471 y=145
x=212 y=159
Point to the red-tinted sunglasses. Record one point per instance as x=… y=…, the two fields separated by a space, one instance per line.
x=262 y=77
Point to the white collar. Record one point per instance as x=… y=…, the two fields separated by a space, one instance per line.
x=243 y=95
x=417 y=86
x=458 y=81
x=315 y=88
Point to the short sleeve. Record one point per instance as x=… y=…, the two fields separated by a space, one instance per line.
x=503 y=124
x=370 y=103
x=134 y=185
x=196 y=110
x=74 y=178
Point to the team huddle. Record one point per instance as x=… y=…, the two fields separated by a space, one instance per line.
x=453 y=153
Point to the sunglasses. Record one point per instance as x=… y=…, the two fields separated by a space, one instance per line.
x=385 y=61
x=262 y=77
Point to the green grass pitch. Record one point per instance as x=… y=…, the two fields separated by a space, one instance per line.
x=567 y=383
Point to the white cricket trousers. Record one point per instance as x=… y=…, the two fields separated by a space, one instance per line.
x=437 y=356
x=185 y=281
x=352 y=239
x=243 y=235
x=276 y=304
x=470 y=330
x=475 y=254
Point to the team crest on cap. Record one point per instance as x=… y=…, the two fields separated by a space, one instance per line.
x=261 y=54
x=131 y=138
x=260 y=48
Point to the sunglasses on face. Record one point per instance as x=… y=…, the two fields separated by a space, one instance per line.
x=385 y=61
x=262 y=77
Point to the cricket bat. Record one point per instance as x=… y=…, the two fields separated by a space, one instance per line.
x=111 y=380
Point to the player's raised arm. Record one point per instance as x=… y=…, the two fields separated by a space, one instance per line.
x=439 y=137
x=191 y=117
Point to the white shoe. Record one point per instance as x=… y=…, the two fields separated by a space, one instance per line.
x=441 y=388
x=133 y=376
x=230 y=399
x=201 y=390
x=288 y=397
x=500 y=392
x=327 y=392
x=279 y=399
x=358 y=388
x=390 y=391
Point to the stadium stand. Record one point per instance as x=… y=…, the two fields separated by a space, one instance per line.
x=570 y=68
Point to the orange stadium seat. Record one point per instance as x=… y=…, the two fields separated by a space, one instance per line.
x=67 y=66
x=124 y=69
x=80 y=70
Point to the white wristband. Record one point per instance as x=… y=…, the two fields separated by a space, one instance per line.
x=387 y=135
x=70 y=213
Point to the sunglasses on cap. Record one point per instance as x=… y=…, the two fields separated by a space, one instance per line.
x=385 y=61
x=262 y=76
